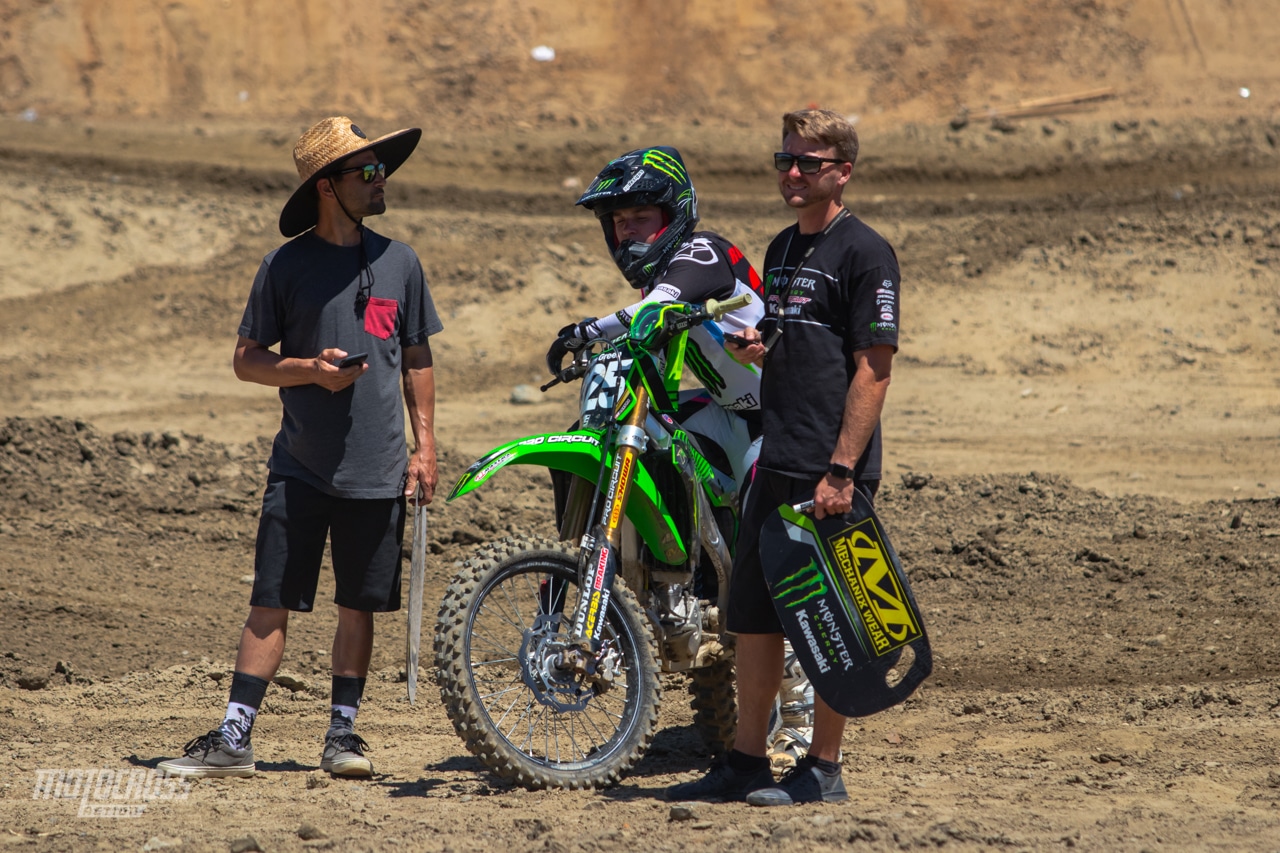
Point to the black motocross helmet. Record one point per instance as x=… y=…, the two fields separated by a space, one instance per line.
x=648 y=176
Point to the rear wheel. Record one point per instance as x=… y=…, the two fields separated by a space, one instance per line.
x=715 y=704
x=500 y=627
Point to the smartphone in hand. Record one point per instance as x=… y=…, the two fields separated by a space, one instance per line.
x=736 y=340
x=353 y=360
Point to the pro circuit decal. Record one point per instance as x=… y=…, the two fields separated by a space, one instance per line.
x=573 y=439
x=624 y=475
x=880 y=600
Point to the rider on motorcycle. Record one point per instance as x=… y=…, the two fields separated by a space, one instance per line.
x=648 y=210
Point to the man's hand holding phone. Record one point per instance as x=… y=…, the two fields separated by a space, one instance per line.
x=746 y=348
x=336 y=368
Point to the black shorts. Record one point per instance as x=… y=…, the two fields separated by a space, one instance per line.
x=364 y=535
x=751 y=608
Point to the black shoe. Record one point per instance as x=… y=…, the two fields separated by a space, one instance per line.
x=722 y=784
x=804 y=783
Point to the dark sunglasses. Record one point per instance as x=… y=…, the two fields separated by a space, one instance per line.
x=367 y=172
x=808 y=165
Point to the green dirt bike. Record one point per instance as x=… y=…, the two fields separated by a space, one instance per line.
x=548 y=651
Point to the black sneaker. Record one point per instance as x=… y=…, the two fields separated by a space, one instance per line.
x=804 y=783
x=344 y=754
x=722 y=784
x=210 y=756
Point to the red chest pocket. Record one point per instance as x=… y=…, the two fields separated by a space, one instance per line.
x=380 y=317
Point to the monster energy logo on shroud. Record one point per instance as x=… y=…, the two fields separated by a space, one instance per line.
x=795 y=589
x=665 y=163
x=703 y=369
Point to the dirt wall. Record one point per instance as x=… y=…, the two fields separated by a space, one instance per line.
x=725 y=61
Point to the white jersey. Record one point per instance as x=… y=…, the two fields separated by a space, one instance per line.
x=707 y=266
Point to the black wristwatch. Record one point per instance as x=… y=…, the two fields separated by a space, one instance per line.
x=843 y=472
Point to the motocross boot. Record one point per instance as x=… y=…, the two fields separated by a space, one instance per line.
x=791 y=723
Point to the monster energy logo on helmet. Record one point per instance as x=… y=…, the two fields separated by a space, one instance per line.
x=665 y=163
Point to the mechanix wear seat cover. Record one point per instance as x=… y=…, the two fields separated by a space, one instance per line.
x=846 y=606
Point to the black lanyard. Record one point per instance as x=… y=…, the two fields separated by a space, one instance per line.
x=784 y=301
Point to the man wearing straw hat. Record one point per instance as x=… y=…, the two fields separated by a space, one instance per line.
x=352 y=315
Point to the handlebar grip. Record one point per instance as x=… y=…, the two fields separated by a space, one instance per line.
x=718 y=308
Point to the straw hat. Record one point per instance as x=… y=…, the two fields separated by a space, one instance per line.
x=332 y=140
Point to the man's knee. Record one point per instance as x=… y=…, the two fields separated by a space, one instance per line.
x=354 y=617
x=266 y=620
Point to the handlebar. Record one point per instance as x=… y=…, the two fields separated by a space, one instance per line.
x=718 y=308
x=712 y=309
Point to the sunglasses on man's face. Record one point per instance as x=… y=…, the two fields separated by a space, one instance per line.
x=805 y=163
x=366 y=172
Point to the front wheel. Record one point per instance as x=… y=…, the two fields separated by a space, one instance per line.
x=501 y=624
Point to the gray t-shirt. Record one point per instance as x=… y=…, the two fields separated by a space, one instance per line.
x=349 y=444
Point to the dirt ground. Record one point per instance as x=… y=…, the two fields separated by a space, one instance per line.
x=1082 y=441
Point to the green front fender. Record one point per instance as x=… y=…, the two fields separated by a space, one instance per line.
x=579 y=453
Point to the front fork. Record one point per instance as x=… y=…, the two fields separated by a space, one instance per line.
x=602 y=546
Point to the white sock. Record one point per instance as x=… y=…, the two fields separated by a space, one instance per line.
x=342 y=717
x=237 y=725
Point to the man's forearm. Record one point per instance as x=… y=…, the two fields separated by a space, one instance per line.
x=264 y=367
x=420 y=400
x=863 y=404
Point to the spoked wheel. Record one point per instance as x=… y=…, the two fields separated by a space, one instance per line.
x=501 y=635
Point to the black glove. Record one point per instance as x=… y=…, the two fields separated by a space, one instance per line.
x=571 y=338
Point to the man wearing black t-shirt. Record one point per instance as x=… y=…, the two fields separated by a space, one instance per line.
x=825 y=347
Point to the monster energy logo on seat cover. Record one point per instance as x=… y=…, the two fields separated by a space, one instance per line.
x=795 y=589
